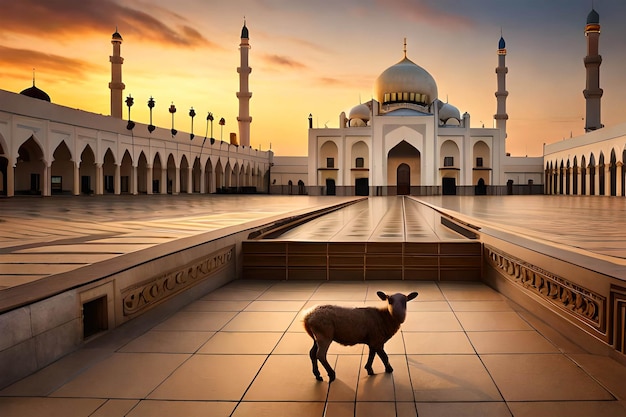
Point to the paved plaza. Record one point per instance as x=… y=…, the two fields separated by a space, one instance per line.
x=464 y=350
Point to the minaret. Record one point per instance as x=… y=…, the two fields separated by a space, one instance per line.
x=593 y=92
x=501 y=117
x=116 y=85
x=244 y=94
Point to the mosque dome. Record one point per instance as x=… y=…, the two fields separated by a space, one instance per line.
x=405 y=82
x=593 y=17
x=360 y=112
x=35 y=92
x=448 y=112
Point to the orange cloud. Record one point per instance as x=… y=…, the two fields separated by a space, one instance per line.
x=426 y=12
x=71 y=18
x=282 y=61
x=25 y=59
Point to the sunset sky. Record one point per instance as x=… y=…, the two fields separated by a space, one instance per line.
x=320 y=57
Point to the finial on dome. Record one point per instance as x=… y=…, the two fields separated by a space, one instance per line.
x=33 y=77
x=404 y=47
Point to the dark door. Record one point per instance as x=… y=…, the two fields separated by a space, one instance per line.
x=404 y=179
x=330 y=187
x=448 y=186
x=361 y=186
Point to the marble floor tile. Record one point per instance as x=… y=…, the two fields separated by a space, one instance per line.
x=542 y=377
x=264 y=321
x=464 y=409
x=200 y=321
x=568 y=408
x=431 y=321
x=437 y=343
x=122 y=375
x=241 y=343
x=451 y=378
x=525 y=341
x=156 y=408
x=158 y=341
x=49 y=407
x=210 y=378
x=476 y=321
x=280 y=409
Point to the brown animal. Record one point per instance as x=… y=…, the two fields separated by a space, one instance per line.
x=349 y=326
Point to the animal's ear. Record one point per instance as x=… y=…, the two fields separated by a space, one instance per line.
x=411 y=296
x=382 y=295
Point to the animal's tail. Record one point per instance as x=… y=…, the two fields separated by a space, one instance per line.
x=307 y=326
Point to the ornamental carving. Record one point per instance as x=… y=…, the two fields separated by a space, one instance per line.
x=150 y=292
x=583 y=304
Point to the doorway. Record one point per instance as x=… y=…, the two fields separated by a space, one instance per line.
x=361 y=186
x=448 y=186
x=403 y=179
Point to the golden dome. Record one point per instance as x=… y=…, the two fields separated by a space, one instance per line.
x=405 y=82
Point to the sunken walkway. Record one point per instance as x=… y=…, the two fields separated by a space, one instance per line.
x=240 y=350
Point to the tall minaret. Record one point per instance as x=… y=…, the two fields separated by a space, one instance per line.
x=593 y=92
x=244 y=94
x=501 y=117
x=116 y=85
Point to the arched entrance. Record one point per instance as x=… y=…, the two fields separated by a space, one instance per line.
x=29 y=169
x=87 y=171
x=403 y=179
x=62 y=170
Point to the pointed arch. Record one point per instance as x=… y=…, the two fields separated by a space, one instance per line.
x=407 y=154
x=108 y=172
x=62 y=170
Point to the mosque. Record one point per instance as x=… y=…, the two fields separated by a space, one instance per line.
x=403 y=141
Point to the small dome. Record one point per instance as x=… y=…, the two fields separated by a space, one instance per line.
x=447 y=112
x=362 y=111
x=593 y=17
x=116 y=36
x=405 y=82
x=35 y=92
x=501 y=43
x=244 y=32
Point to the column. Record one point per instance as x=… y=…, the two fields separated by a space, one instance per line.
x=189 y=180
x=163 y=184
x=202 y=181
x=45 y=181
x=99 y=180
x=618 y=179
x=149 y=179
x=76 y=179
x=607 y=179
x=10 y=179
x=133 y=180
x=117 y=186
x=596 y=181
x=176 y=185
x=578 y=177
x=587 y=182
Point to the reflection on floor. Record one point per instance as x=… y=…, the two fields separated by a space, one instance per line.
x=464 y=350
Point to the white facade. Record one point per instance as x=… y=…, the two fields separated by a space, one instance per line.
x=48 y=149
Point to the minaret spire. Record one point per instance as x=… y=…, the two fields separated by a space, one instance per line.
x=404 y=47
x=244 y=94
x=116 y=85
x=593 y=92
x=501 y=116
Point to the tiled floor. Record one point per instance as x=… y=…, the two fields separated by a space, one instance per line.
x=241 y=350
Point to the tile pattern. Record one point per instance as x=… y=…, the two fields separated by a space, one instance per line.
x=241 y=350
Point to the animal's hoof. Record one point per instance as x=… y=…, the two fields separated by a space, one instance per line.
x=319 y=378
x=370 y=371
x=389 y=369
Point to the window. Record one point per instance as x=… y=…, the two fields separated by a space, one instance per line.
x=330 y=162
x=479 y=162
x=448 y=161
x=359 y=163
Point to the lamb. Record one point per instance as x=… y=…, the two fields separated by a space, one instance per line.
x=349 y=326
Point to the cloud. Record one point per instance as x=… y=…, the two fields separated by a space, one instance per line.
x=71 y=18
x=282 y=61
x=25 y=59
x=425 y=11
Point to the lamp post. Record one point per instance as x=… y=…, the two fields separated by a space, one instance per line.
x=210 y=118
x=151 y=103
x=172 y=111
x=222 y=123
x=129 y=102
x=192 y=114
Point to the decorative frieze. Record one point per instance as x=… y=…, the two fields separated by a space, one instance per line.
x=585 y=305
x=152 y=291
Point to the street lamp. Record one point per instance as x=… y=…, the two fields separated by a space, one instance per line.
x=151 y=127
x=222 y=123
x=129 y=102
x=192 y=114
x=210 y=119
x=172 y=111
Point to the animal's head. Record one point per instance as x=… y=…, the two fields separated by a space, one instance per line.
x=396 y=304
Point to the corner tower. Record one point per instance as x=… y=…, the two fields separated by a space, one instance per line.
x=116 y=85
x=501 y=70
x=592 y=92
x=244 y=94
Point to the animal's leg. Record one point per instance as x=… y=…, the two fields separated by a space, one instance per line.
x=370 y=360
x=313 y=356
x=383 y=357
x=322 y=349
